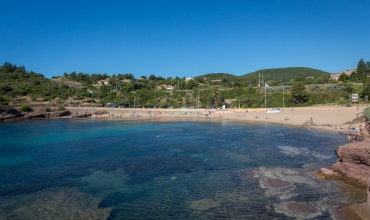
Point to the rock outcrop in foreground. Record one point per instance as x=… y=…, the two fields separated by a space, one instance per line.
x=354 y=161
x=13 y=114
x=353 y=165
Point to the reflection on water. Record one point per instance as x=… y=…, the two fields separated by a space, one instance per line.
x=80 y=169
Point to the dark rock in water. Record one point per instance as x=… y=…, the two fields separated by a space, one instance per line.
x=29 y=116
x=13 y=114
x=57 y=114
x=76 y=115
x=6 y=114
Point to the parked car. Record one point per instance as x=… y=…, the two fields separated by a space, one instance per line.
x=111 y=105
x=191 y=107
x=211 y=107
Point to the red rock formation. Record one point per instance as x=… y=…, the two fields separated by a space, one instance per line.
x=368 y=191
x=354 y=161
x=357 y=153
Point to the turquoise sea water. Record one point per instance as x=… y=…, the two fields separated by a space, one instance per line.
x=114 y=169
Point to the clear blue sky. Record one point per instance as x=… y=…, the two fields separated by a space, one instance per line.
x=183 y=38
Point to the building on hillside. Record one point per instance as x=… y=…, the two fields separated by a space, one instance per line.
x=335 y=76
x=126 y=80
x=167 y=87
x=188 y=79
x=103 y=82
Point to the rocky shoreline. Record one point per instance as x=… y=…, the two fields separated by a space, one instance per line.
x=353 y=167
x=15 y=115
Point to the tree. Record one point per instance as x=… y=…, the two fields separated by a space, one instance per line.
x=366 y=90
x=215 y=95
x=343 y=77
x=152 y=77
x=298 y=93
x=348 y=88
x=361 y=70
x=158 y=99
x=190 y=84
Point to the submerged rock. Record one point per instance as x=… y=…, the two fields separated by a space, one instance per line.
x=296 y=151
x=204 y=204
x=298 y=210
x=55 y=203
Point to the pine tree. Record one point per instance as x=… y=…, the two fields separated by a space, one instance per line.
x=361 y=70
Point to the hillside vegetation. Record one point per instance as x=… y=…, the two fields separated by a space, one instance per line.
x=283 y=75
x=301 y=86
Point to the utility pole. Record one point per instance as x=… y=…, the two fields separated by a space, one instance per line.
x=259 y=79
x=283 y=97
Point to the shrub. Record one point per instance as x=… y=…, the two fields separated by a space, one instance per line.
x=25 y=108
x=4 y=100
x=60 y=108
x=367 y=113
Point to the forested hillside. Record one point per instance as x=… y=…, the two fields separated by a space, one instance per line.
x=301 y=86
x=283 y=75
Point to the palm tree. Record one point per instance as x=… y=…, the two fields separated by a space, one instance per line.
x=187 y=101
x=179 y=101
x=138 y=101
x=200 y=98
x=167 y=97
x=215 y=95
x=158 y=99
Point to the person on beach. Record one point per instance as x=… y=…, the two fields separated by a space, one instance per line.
x=355 y=138
x=349 y=137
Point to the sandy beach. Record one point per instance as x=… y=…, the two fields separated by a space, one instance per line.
x=335 y=119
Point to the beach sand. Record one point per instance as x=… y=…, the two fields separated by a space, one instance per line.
x=329 y=119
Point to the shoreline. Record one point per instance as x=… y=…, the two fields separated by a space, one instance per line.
x=325 y=119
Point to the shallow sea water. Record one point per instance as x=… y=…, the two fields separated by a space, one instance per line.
x=114 y=169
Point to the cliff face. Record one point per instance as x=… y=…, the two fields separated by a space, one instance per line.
x=354 y=161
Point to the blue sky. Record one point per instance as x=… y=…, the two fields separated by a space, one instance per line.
x=183 y=38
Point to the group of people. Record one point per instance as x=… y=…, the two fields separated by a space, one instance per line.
x=354 y=139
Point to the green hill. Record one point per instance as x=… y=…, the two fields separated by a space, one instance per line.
x=287 y=74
